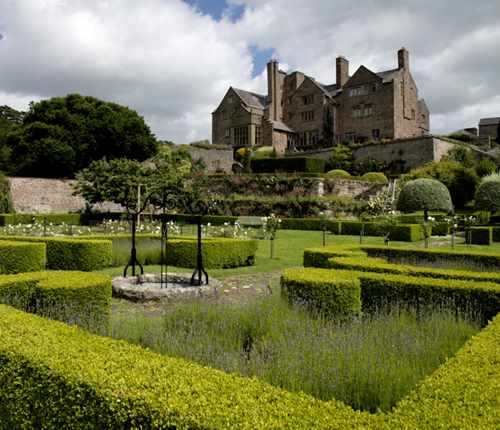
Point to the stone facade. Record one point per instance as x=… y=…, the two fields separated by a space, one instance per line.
x=215 y=159
x=42 y=196
x=410 y=153
x=489 y=129
x=366 y=106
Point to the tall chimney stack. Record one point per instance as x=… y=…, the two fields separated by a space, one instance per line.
x=404 y=59
x=272 y=88
x=342 y=71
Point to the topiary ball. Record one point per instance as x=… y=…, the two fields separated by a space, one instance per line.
x=375 y=177
x=338 y=173
x=488 y=193
x=424 y=194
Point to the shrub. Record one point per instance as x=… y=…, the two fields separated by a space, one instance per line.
x=5 y=197
x=72 y=253
x=264 y=152
x=291 y=164
x=379 y=265
x=424 y=194
x=399 y=232
x=71 y=219
x=480 y=236
x=488 y=193
x=375 y=177
x=441 y=257
x=317 y=224
x=496 y=234
x=460 y=180
x=218 y=253
x=486 y=167
x=338 y=173
x=322 y=293
x=73 y=297
x=319 y=257
x=17 y=257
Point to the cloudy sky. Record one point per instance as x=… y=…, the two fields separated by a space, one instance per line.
x=173 y=60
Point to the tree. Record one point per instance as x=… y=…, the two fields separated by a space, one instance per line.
x=167 y=180
x=424 y=195
x=488 y=193
x=460 y=181
x=341 y=157
x=63 y=135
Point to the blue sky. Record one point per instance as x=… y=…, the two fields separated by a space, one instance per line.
x=216 y=9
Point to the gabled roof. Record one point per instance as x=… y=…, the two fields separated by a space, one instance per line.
x=388 y=75
x=489 y=121
x=278 y=125
x=251 y=99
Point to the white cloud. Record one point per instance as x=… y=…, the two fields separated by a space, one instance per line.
x=173 y=64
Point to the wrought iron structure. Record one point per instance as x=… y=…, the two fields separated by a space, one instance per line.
x=133 y=252
x=199 y=271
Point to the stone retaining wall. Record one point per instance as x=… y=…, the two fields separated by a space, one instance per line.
x=41 y=195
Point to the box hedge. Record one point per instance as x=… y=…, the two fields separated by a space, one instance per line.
x=311 y=224
x=16 y=257
x=379 y=265
x=458 y=258
x=318 y=257
x=66 y=218
x=56 y=376
x=291 y=165
x=479 y=236
x=399 y=232
x=73 y=297
x=317 y=292
x=64 y=253
x=317 y=286
x=218 y=253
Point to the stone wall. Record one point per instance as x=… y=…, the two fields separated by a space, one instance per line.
x=215 y=159
x=40 y=195
x=414 y=152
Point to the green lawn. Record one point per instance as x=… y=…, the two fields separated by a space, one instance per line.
x=289 y=248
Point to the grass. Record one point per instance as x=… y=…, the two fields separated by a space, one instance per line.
x=368 y=363
x=289 y=248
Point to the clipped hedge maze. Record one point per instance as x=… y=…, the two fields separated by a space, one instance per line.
x=17 y=257
x=73 y=297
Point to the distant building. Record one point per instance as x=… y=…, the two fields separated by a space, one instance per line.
x=489 y=129
x=300 y=113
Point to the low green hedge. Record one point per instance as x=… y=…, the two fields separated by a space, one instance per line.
x=496 y=234
x=458 y=258
x=314 y=224
x=375 y=177
x=317 y=292
x=16 y=257
x=379 y=265
x=55 y=376
x=73 y=219
x=218 y=253
x=468 y=259
x=73 y=297
x=400 y=232
x=479 y=236
x=317 y=286
x=318 y=257
x=65 y=253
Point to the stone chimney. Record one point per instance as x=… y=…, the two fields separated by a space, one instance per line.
x=404 y=59
x=342 y=71
x=272 y=89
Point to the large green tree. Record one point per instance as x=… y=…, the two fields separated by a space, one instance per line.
x=63 y=135
x=169 y=179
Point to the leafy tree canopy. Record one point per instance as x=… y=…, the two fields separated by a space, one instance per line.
x=460 y=180
x=62 y=135
x=168 y=180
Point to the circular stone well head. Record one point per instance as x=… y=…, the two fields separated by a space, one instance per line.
x=154 y=287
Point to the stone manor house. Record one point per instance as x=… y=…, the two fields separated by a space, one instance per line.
x=300 y=113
